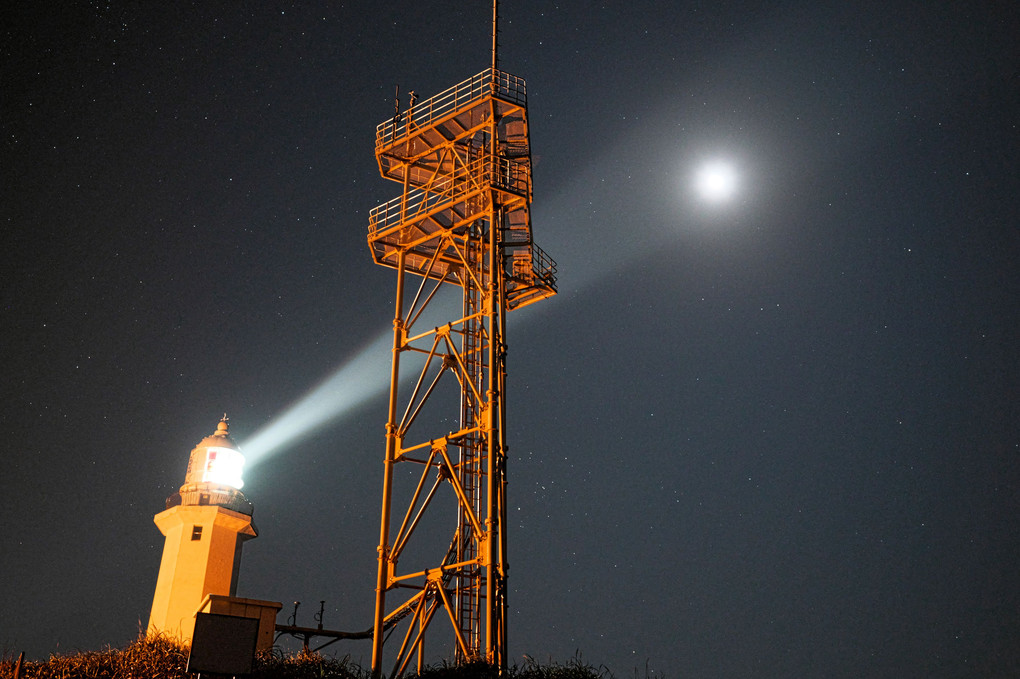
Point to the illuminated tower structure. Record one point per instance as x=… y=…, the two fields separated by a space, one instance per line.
x=205 y=524
x=462 y=220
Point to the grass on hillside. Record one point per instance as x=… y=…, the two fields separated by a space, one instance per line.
x=161 y=658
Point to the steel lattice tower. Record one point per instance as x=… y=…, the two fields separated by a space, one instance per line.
x=462 y=219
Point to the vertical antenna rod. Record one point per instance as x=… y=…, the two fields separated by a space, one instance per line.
x=495 y=35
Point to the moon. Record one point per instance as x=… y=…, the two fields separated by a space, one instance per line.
x=716 y=181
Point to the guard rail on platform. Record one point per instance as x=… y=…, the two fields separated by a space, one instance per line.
x=487 y=83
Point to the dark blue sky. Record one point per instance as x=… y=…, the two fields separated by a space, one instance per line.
x=774 y=437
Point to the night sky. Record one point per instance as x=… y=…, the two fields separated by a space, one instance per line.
x=772 y=436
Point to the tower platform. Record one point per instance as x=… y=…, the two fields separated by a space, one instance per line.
x=453 y=171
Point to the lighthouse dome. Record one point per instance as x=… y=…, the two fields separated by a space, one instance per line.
x=219 y=438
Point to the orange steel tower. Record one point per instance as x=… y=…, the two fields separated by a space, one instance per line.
x=462 y=219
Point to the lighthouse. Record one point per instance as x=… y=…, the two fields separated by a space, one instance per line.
x=205 y=523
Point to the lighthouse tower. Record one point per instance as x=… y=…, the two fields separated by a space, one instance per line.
x=205 y=524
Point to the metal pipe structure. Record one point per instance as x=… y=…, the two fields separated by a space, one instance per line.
x=463 y=161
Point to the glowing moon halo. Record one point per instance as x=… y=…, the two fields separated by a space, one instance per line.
x=716 y=182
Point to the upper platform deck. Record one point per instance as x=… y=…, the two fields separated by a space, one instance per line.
x=453 y=174
x=456 y=114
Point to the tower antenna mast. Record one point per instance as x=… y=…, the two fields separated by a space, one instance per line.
x=495 y=35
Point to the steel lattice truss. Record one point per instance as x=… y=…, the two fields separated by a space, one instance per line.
x=462 y=219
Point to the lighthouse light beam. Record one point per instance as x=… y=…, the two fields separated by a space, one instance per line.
x=358 y=380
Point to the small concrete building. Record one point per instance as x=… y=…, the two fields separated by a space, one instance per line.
x=205 y=523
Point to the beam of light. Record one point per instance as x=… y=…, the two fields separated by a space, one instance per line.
x=360 y=379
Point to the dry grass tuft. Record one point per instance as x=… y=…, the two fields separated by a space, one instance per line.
x=162 y=658
x=147 y=658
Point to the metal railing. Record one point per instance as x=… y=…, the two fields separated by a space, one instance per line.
x=531 y=276
x=229 y=498
x=543 y=265
x=489 y=82
x=488 y=170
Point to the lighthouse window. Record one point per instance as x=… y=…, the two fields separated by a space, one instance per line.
x=196 y=532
